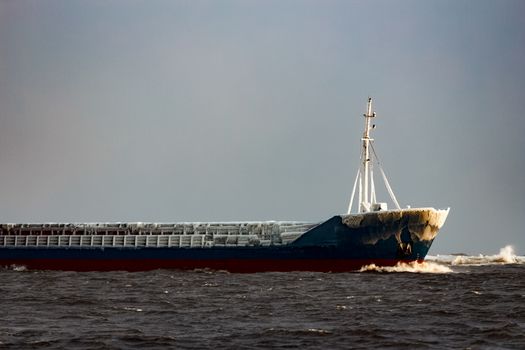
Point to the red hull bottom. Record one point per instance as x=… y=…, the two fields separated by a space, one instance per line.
x=234 y=265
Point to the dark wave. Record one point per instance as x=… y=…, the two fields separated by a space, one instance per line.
x=475 y=306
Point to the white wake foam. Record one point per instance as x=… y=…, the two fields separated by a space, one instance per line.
x=17 y=268
x=506 y=255
x=444 y=263
x=413 y=267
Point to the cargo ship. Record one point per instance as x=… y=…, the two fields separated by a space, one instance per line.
x=372 y=234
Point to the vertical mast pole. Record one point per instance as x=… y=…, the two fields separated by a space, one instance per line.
x=365 y=205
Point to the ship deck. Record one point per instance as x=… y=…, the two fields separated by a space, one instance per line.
x=160 y=235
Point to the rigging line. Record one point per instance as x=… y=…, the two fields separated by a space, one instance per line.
x=372 y=187
x=358 y=178
x=388 y=188
x=353 y=191
x=360 y=193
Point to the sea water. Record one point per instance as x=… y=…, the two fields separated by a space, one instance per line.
x=449 y=301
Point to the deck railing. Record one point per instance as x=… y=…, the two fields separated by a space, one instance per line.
x=180 y=235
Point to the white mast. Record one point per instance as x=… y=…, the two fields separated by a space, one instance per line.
x=366 y=165
x=367 y=200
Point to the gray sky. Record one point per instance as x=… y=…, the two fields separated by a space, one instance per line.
x=252 y=110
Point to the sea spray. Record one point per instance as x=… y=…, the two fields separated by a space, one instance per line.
x=412 y=267
x=505 y=256
x=18 y=268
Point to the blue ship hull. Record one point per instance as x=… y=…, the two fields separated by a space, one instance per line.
x=334 y=245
